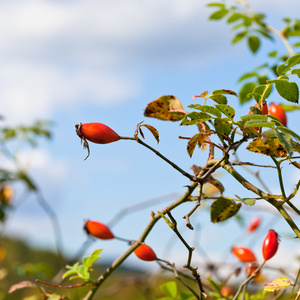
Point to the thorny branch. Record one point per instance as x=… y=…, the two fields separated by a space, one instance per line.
x=194 y=271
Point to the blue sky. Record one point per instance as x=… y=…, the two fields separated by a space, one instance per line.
x=103 y=61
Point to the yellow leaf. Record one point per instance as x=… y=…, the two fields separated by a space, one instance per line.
x=167 y=108
x=269 y=146
x=276 y=284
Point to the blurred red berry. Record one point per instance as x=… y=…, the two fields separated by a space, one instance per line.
x=98 y=230
x=226 y=291
x=254 y=224
x=97 y=133
x=244 y=254
x=144 y=252
x=251 y=269
x=270 y=245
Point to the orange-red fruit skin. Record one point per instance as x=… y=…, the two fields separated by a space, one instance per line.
x=264 y=111
x=98 y=133
x=254 y=224
x=244 y=254
x=277 y=111
x=226 y=291
x=98 y=230
x=144 y=252
x=270 y=245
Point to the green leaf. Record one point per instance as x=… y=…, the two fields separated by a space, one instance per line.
x=195 y=117
x=206 y=108
x=285 y=140
x=221 y=99
x=253 y=43
x=258 y=123
x=219 y=14
x=223 y=126
x=254 y=117
x=265 y=33
x=234 y=17
x=247 y=75
x=247 y=201
x=273 y=54
x=89 y=260
x=261 y=92
x=170 y=289
x=215 y=286
x=287 y=90
x=275 y=120
x=293 y=33
x=221 y=5
x=291 y=62
x=226 y=110
x=289 y=107
x=223 y=209
x=296 y=72
x=245 y=91
x=239 y=37
x=82 y=270
x=28 y=181
x=289 y=131
x=186 y=296
x=224 y=92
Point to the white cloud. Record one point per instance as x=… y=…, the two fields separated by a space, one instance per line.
x=53 y=53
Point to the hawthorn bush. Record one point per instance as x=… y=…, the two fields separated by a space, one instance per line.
x=221 y=135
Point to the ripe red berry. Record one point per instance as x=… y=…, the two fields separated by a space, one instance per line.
x=98 y=230
x=254 y=224
x=97 y=133
x=277 y=111
x=270 y=244
x=264 y=110
x=244 y=254
x=144 y=252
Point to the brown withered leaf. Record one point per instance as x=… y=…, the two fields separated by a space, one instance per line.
x=198 y=138
x=204 y=128
x=152 y=129
x=167 y=108
x=296 y=164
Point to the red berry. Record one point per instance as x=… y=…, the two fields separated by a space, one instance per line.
x=226 y=291
x=244 y=254
x=97 y=133
x=144 y=252
x=98 y=230
x=254 y=224
x=277 y=111
x=264 y=110
x=270 y=245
